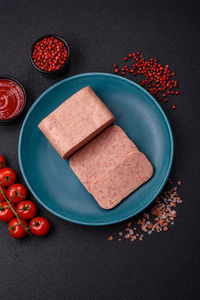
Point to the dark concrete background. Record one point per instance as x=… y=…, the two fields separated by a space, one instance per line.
x=77 y=262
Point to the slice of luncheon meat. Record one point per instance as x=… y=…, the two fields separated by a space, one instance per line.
x=124 y=178
x=100 y=155
x=76 y=122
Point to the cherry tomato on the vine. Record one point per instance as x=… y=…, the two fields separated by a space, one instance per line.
x=6 y=213
x=1 y=195
x=7 y=176
x=16 y=193
x=26 y=209
x=2 y=161
x=39 y=226
x=15 y=229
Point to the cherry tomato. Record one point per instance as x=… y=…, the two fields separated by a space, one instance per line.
x=39 y=226
x=6 y=213
x=26 y=210
x=7 y=176
x=2 y=161
x=16 y=193
x=1 y=195
x=15 y=229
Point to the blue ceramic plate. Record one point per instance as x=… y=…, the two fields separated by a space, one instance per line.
x=50 y=178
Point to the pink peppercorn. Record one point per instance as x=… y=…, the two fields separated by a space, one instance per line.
x=49 y=54
x=157 y=78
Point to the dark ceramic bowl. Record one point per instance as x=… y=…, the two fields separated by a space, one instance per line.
x=22 y=109
x=56 y=73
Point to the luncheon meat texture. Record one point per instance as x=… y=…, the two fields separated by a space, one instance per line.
x=76 y=121
x=101 y=155
x=111 y=167
x=124 y=178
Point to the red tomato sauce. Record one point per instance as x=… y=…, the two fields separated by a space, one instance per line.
x=12 y=99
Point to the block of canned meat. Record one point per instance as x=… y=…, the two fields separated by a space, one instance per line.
x=101 y=155
x=76 y=121
x=121 y=180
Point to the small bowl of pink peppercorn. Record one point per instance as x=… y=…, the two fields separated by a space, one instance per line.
x=50 y=55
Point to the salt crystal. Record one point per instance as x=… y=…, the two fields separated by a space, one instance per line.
x=161 y=215
x=127 y=236
x=144 y=228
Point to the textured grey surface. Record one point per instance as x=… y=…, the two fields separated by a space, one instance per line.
x=77 y=262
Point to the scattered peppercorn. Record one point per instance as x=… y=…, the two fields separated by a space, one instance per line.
x=49 y=54
x=157 y=78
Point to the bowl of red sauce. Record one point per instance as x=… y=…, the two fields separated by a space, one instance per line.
x=12 y=99
x=50 y=55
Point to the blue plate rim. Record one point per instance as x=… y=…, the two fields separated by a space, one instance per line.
x=117 y=220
